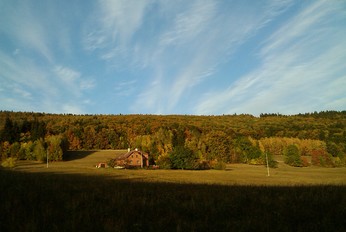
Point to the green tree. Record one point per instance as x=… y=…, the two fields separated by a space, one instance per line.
x=55 y=148
x=164 y=162
x=178 y=138
x=10 y=132
x=39 y=150
x=29 y=150
x=292 y=156
x=334 y=149
x=183 y=158
x=216 y=146
x=5 y=150
x=38 y=130
x=14 y=150
x=246 y=150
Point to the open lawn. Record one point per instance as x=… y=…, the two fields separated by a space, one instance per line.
x=75 y=196
x=84 y=162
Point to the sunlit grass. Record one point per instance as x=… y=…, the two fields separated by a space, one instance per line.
x=84 y=162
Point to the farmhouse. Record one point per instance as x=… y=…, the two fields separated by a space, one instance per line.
x=134 y=158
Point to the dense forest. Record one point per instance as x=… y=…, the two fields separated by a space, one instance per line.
x=180 y=141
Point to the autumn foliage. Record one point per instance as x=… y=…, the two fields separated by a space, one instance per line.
x=180 y=141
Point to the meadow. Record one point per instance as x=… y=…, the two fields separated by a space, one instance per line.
x=74 y=195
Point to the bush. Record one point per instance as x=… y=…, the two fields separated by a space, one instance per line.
x=220 y=165
x=263 y=160
x=203 y=165
x=305 y=162
x=9 y=162
x=258 y=161
x=339 y=162
x=164 y=162
x=111 y=163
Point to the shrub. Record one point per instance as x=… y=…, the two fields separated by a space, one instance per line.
x=9 y=162
x=271 y=162
x=220 y=165
x=339 y=162
x=257 y=161
x=111 y=163
x=203 y=165
x=305 y=162
x=164 y=162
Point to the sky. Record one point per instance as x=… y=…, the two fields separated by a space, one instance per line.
x=196 y=57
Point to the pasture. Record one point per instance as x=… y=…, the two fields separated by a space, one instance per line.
x=84 y=162
x=74 y=195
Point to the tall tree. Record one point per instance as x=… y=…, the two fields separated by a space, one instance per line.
x=10 y=132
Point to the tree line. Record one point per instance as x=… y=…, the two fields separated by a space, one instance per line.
x=181 y=141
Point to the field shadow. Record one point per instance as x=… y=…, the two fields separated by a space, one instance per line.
x=75 y=155
x=69 y=202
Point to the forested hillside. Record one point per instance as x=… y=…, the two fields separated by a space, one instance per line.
x=180 y=141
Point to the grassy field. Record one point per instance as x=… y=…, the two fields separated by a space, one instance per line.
x=84 y=162
x=75 y=196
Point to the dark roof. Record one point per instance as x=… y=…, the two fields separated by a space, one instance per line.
x=126 y=155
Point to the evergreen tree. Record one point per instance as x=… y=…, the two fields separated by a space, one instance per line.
x=10 y=132
x=292 y=156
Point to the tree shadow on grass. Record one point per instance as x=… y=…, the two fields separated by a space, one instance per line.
x=71 y=202
x=75 y=155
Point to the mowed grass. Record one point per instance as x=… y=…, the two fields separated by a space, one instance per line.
x=75 y=196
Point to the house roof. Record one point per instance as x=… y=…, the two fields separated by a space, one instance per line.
x=126 y=155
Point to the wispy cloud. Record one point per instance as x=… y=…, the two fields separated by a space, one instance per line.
x=125 y=88
x=301 y=61
x=26 y=29
x=26 y=85
x=201 y=37
x=116 y=22
x=75 y=85
x=67 y=75
x=153 y=56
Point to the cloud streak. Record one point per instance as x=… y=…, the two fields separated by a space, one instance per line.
x=157 y=56
x=201 y=37
x=300 y=62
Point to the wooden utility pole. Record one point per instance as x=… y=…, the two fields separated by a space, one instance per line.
x=268 y=174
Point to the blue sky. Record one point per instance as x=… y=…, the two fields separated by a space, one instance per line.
x=172 y=57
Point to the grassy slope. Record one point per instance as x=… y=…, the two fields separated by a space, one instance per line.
x=75 y=196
